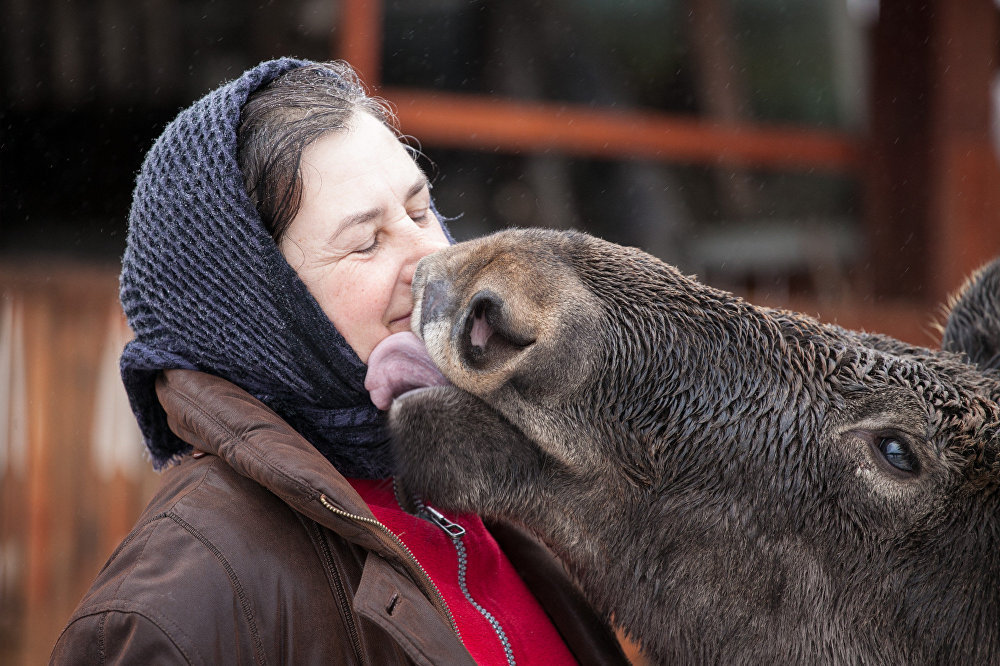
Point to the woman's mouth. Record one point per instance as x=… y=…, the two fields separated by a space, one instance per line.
x=400 y=323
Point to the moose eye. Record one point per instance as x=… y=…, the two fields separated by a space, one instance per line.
x=897 y=453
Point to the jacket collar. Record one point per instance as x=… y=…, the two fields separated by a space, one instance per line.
x=219 y=418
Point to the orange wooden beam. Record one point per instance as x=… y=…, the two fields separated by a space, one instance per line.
x=358 y=38
x=485 y=123
x=964 y=171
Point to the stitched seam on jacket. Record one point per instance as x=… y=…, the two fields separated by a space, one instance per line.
x=129 y=607
x=137 y=529
x=234 y=581
x=102 y=658
x=137 y=532
x=138 y=557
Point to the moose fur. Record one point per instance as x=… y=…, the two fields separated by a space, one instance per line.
x=730 y=483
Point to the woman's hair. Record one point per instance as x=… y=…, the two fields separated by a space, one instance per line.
x=281 y=119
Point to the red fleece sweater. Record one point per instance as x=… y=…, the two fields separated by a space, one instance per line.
x=490 y=580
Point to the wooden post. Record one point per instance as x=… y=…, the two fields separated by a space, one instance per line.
x=964 y=171
x=359 y=38
x=933 y=181
x=896 y=179
x=721 y=93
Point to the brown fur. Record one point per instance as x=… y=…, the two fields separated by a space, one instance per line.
x=724 y=480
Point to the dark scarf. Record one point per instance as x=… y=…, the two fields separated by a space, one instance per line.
x=205 y=287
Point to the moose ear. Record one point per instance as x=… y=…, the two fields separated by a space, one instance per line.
x=973 y=326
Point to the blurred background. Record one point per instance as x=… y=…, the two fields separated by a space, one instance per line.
x=837 y=157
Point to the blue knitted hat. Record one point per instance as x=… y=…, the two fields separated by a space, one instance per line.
x=205 y=287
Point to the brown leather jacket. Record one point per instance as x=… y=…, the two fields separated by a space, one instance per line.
x=258 y=551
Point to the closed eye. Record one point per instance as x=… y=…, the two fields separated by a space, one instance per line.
x=372 y=247
x=421 y=191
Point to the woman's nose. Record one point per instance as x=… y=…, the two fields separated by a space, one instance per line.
x=426 y=244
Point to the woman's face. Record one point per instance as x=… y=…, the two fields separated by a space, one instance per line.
x=363 y=224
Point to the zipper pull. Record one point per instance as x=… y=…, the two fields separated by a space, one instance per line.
x=453 y=529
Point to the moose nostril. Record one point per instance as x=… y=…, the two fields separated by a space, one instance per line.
x=480 y=329
x=483 y=306
x=478 y=324
x=488 y=336
x=433 y=301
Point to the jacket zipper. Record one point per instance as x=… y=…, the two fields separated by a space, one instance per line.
x=335 y=573
x=428 y=583
x=455 y=532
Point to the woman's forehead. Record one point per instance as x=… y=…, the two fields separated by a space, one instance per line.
x=367 y=148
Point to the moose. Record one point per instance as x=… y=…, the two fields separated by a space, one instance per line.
x=730 y=483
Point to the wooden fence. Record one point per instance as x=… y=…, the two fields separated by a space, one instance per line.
x=73 y=476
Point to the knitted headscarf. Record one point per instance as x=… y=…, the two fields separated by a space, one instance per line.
x=204 y=286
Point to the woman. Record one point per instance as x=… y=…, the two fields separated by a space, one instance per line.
x=273 y=235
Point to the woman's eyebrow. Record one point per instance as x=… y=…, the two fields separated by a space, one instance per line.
x=417 y=186
x=355 y=219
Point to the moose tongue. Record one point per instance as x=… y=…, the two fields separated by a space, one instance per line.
x=399 y=364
